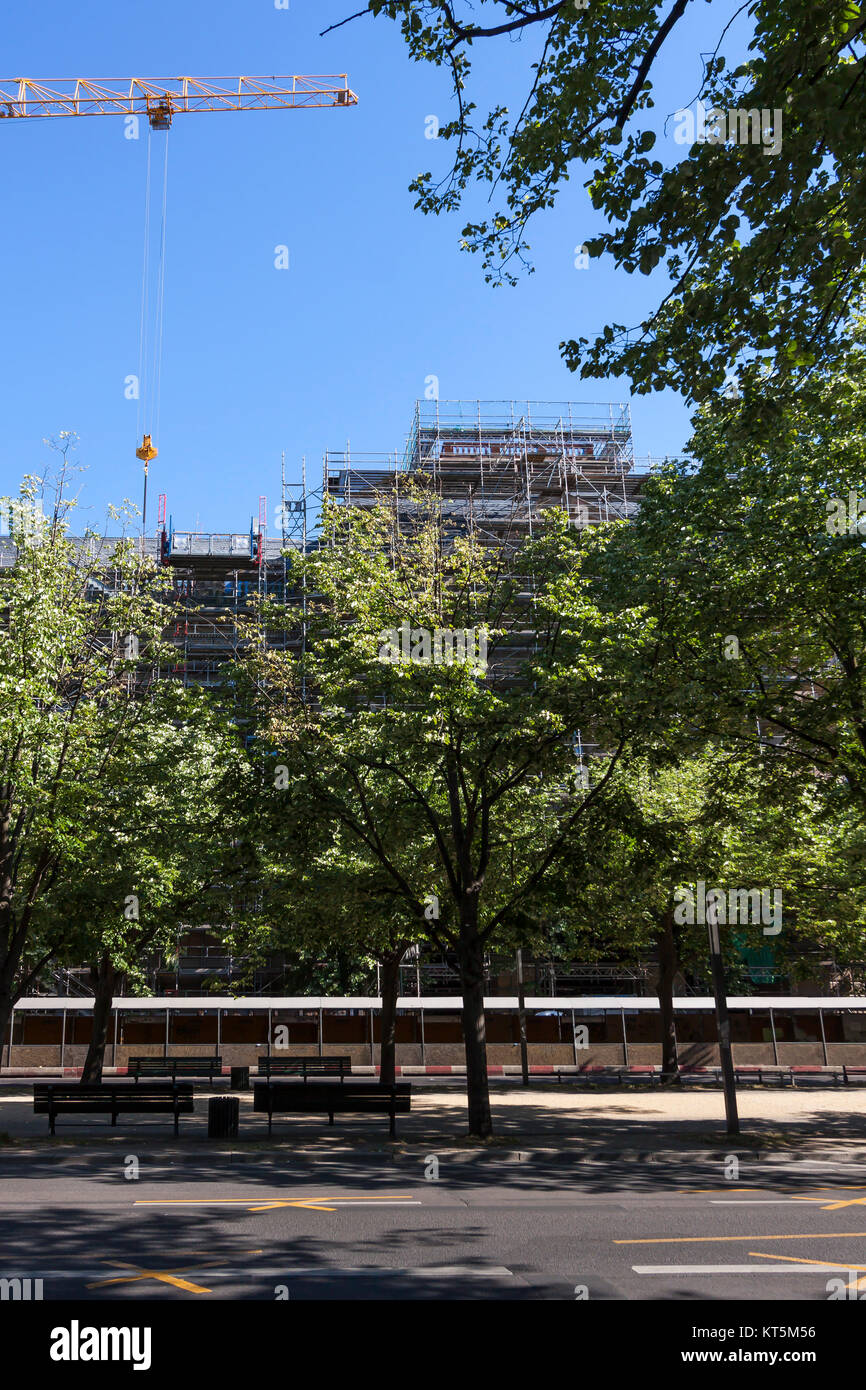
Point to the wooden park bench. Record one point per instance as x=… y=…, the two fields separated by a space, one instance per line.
x=762 y=1075
x=175 y=1067
x=854 y=1075
x=595 y=1075
x=101 y=1099
x=329 y=1098
x=710 y=1076
x=830 y=1076
x=305 y=1066
x=636 y=1075
x=613 y=1076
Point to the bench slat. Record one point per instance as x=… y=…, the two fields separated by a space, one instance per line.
x=175 y=1066
x=102 y=1099
x=330 y=1098
x=304 y=1066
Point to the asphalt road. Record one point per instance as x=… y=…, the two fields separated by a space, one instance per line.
x=266 y=1226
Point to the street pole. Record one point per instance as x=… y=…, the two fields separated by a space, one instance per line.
x=723 y=1022
x=521 y=1017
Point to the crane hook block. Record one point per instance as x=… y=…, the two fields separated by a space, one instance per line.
x=147 y=451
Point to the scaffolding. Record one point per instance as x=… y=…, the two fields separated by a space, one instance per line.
x=214 y=574
x=497 y=466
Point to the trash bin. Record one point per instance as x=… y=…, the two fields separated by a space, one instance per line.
x=222 y=1117
x=240 y=1079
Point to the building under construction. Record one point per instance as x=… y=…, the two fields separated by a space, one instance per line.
x=214 y=576
x=497 y=466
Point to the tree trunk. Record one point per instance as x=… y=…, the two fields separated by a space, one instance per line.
x=10 y=991
x=8 y=1000
x=665 y=988
x=390 y=966
x=343 y=974
x=103 y=977
x=471 y=959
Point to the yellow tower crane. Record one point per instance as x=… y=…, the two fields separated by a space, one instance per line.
x=160 y=100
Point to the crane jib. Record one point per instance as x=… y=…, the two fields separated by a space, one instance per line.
x=161 y=99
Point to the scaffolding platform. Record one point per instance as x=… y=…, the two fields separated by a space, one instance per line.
x=497 y=466
x=216 y=552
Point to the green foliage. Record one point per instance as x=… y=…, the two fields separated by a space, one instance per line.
x=733 y=821
x=757 y=590
x=108 y=782
x=437 y=778
x=160 y=843
x=763 y=247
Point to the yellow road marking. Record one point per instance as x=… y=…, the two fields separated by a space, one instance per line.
x=305 y=1203
x=165 y=1276
x=307 y=1206
x=779 y=1187
x=686 y=1240
x=697 y=1191
x=202 y=1201
x=798 y=1260
x=242 y=1201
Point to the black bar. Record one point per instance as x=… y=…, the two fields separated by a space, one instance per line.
x=723 y=1025
x=521 y=1020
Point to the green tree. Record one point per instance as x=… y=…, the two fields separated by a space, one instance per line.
x=324 y=894
x=761 y=236
x=738 y=823
x=77 y=625
x=475 y=759
x=160 y=846
x=662 y=830
x=754 y=557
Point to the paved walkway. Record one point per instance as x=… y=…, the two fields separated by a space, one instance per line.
x=544 y=1117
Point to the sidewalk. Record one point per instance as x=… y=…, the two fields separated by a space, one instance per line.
x=548 y=1119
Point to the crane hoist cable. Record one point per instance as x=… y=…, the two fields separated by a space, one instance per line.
x=150 y=347
x=144 y=283
x=159 y=101
x=160 y=306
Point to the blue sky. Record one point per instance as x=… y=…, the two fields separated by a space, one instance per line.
x=256 y=360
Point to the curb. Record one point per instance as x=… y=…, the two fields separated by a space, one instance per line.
x=407 y=1070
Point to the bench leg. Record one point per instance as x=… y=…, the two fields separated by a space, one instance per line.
x=393 y=1125
x=330 y=1117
